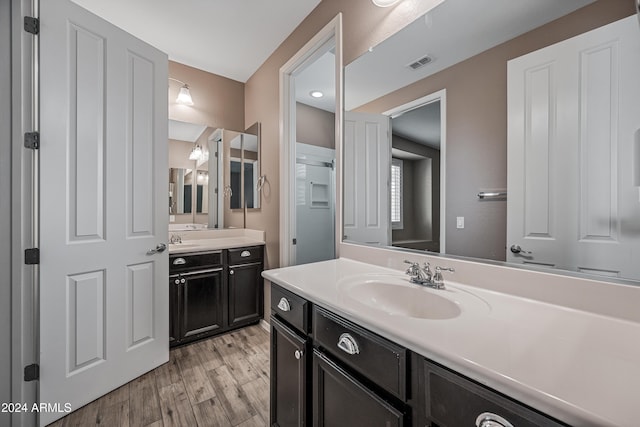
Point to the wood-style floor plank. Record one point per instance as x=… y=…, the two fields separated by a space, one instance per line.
x=219 y=382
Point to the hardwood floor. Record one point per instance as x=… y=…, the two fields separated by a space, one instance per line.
x=221 y=381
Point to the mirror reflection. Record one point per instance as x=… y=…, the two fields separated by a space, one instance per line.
x=242 y=149
x=193 y=178
x=455 y=92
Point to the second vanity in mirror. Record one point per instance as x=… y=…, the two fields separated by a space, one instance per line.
x=211 y=170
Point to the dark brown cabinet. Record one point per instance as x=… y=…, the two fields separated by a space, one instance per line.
x=208 y=297
x=341 y=400
x=329 y=371
x=289 y=365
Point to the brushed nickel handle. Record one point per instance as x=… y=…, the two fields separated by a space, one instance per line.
x=231 y=272
x=488 y=419
x=516 y=249
x=179 y=261
x=298 y=354
x=245 y=254
x=348 y=344
x=284 y=305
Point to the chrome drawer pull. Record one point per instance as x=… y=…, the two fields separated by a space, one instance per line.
x=348 y=344
x=245 y=254
x=284 y=305
x=179 y=261
x=487 y=419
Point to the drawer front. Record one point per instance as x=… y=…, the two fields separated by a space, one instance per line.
x=244 y=255
x=451 y=400
x=194 y=261
x=290 y=307
x=376 y=358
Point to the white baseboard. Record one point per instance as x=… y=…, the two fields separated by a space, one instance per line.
x=265 y=325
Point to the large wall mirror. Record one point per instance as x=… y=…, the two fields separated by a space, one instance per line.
x=503 y=146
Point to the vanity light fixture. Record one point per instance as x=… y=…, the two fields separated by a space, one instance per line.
x=384 y=3
x=316 y=94
x=184 y=96
x=196 y=153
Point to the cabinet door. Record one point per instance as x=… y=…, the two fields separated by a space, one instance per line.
x=340 y=400
x=288 y=377
x=174 y=304
x=202 y=302
x=245 y=294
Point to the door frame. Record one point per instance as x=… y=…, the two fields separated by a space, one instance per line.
x=441 y=96
x=331 y=34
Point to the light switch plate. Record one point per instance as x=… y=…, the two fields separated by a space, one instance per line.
x=460 y=222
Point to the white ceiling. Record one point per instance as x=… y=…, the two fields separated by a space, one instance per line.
x=183 y=131
x=319 y=75
x=231 y=38
x=420 y=125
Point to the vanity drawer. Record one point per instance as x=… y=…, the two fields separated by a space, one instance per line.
x=290 y=307
x=194 y=261
x=377 y=359
x=451 y=400
x=244 y=255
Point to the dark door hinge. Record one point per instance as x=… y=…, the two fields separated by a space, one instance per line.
x=295 y=241
x=32 y=140
x=32 y=256
x=32 y=372
x=31 y=25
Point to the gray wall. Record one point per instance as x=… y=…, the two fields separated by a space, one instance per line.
x=315 y=126
x=5 y=206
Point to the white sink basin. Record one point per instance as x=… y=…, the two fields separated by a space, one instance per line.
x=398 y=297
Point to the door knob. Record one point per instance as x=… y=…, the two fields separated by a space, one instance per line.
x=161 y=247
x=516 y=249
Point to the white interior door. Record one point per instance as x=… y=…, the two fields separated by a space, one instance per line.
x=367 y=169
x=315 y=204
x=574 y=115
x=103 y=205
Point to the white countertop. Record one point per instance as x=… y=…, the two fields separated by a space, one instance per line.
x=579 y=367
x=211 y=240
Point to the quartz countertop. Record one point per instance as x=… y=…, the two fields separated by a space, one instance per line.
x=580 y=367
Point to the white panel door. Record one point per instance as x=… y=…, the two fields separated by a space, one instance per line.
x=103 y=206
x=574 y=116
x=315 y=204
x=367 y=169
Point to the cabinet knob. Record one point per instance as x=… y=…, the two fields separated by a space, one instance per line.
x=231 y=272
x=177 y=281
x=183 y=280
x=298 y=354
x=284 y=305
x=349 y=345
x=487 y=419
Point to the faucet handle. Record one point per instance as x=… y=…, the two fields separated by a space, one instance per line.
x=438 y=280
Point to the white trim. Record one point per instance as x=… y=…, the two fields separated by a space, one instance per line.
x=265 y=325
x=317 y=46
x=440 y=95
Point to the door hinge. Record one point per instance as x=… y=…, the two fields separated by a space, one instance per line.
x=32 y=256
x=295 y=241
x=32 y=372
x=31 y=25
x=32 y=140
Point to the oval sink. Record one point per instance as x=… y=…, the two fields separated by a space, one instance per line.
x=401 y=300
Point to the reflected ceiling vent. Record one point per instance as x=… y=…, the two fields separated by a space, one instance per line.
x=420 y=62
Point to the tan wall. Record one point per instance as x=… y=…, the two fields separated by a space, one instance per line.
x=364 y=25
x=477 y=126
x=218 y=101
x=315 y=126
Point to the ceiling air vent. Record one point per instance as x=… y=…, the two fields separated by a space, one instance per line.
x=420 y=62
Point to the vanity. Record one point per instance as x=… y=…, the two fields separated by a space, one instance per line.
x=355 y=341
x=214 y=281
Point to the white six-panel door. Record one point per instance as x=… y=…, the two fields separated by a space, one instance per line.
x=103 y=206
x=367 y=169
x=573 y=159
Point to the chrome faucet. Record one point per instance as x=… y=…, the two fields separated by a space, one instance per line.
x=424 y=277
x=175 y=238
